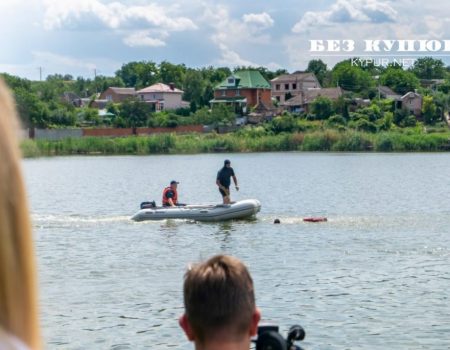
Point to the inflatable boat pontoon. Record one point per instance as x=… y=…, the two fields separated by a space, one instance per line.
x=220 y=212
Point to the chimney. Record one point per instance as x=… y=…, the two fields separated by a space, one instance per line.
x=172 y=86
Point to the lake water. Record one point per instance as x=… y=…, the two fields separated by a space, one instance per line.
x=375 y=276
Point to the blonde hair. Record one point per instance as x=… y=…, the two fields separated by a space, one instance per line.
x=18 y=298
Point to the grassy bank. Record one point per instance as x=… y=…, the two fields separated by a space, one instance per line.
x=326 y=140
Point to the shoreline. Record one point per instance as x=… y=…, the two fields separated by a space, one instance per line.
x=328 y=140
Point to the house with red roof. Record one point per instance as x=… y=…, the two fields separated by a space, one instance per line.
x=162 y=96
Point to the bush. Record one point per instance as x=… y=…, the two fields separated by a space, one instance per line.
x=384 y=144
x=285 y=123
x=354 y=142
x=336 y=120
x=322 y=108
x=403 y=118
x=320 y=141
x=365 y=125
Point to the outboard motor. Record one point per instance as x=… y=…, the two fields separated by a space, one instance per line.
x=148 y=205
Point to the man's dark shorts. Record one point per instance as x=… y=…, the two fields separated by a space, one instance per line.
x=222 y=192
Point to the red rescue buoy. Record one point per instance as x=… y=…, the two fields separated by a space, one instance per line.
x=315 y=219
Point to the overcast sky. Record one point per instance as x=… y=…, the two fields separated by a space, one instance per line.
x=77 y=36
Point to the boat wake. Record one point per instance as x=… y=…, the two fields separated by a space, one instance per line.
x=51 y=220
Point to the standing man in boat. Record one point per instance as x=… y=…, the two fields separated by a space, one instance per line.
x=170 y=195
x=223 y=181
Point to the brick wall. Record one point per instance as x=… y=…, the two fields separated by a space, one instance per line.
x=250 y=94
x=141 y=131
x=178 y=129
x=108 y=132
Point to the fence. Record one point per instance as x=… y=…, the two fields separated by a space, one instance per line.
x=59 y=134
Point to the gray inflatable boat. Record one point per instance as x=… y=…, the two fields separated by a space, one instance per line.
x=220 y=212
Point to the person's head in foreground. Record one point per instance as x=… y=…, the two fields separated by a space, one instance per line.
x=18 y=301
x=219 y=301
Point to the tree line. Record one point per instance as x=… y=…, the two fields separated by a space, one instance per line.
x=40 y=103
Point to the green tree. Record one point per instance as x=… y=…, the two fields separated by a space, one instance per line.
x=429 y=112
x=399 y=80
x=283 y=123
x=351 y=77
x=194 y=87
x=101 y=83
x=340 y=106
x=135 y=112
x=139 y=74
x=32 y=111
x=172 y=73
x=319 y=68
x=429 y=68
x=203 y=116
x=322 y=107
x=222 y=114
x=215 y=75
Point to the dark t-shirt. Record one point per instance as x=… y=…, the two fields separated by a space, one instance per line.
x=224 y=176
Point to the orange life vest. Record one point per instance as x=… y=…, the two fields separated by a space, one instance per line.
x=165 y=200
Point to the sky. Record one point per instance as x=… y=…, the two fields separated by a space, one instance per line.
x=87 y=37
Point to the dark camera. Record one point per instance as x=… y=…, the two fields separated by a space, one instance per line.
x=269 y=338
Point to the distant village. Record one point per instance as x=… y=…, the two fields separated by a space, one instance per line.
x=249 y=95
x=221 y=100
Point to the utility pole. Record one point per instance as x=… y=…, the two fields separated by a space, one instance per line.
x=95 y=80
x=40 y=73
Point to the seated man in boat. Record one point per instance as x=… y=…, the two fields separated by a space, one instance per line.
x=219 y=301
x=223 y=180
x=170 y=195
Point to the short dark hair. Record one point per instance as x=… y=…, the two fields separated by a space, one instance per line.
x=219 y=296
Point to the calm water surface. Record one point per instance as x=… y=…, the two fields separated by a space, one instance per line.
x=376 y=275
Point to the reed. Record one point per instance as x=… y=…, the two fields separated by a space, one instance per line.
x=323 y=140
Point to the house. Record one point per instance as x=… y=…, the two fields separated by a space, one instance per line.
x=71 y=98
x=412 y=102
x=261 y=113
x=386 y=92
x=99 y=104
x=243 y=90
x=287 y=86
x=162 y=96
x=117 y=94
x=431 y=83
x=300 y=103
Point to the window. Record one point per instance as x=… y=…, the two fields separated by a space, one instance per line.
x=277 y=87
x=294 y=86
x=238 y=92
x=109 y=97
x=224 y=93
x=230 y=80
x=278 y=98
x=286 y=86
